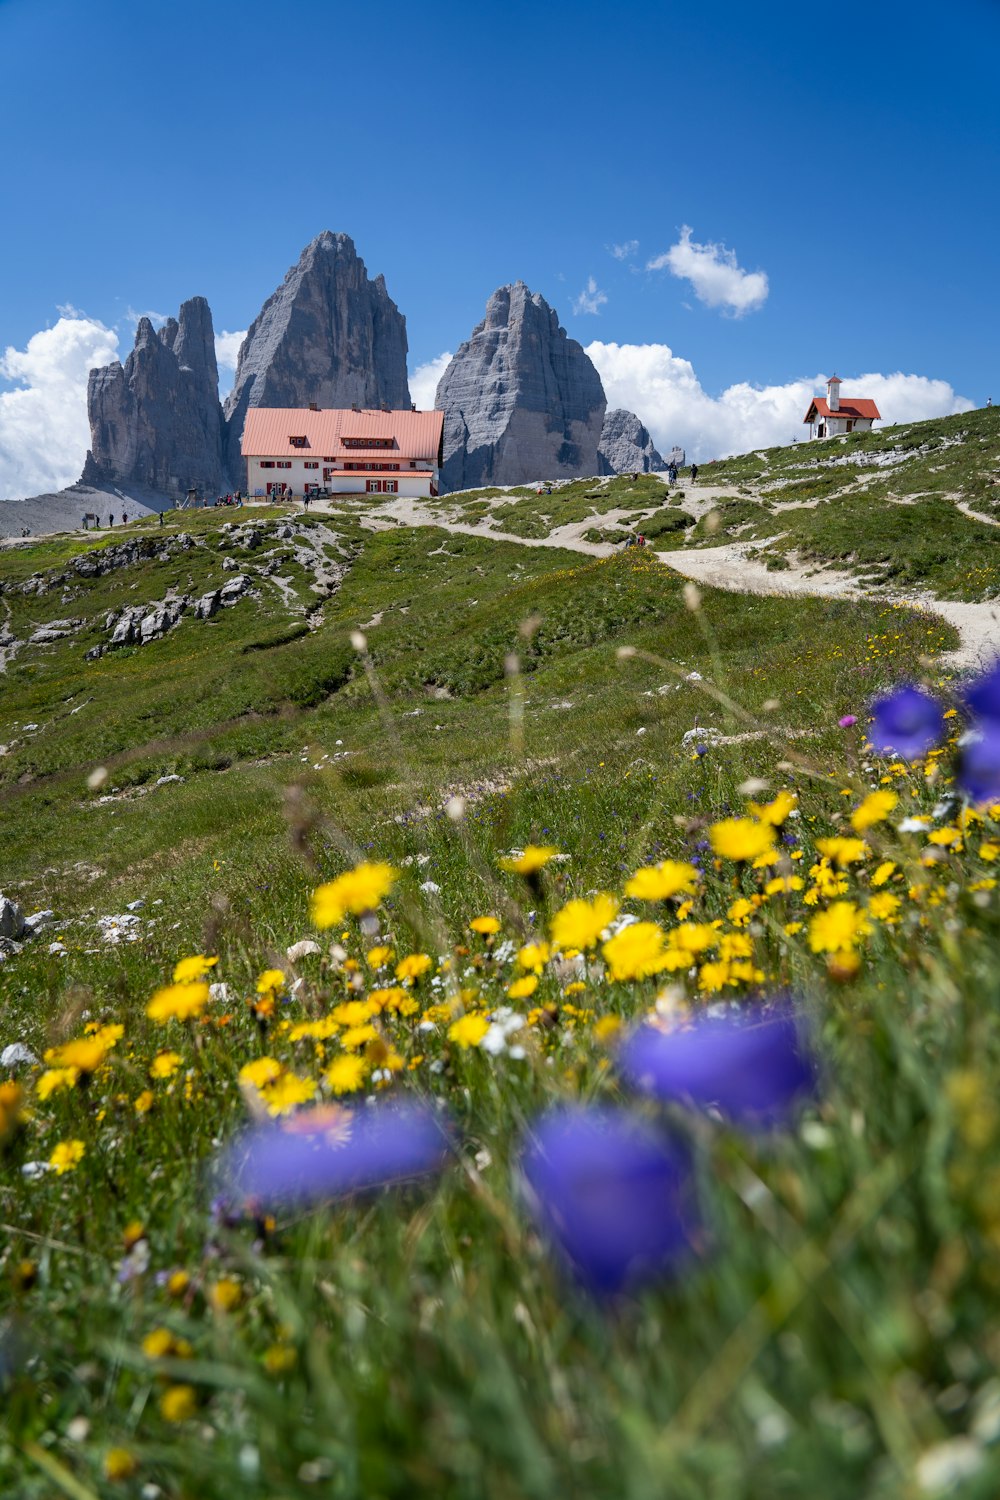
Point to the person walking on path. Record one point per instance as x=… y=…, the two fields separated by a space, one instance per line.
x=111 y=519
x=84 y=521
x=161 y=517
x=694 y=472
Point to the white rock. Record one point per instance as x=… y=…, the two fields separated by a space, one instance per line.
x=16 y=1054
x=11 y=918
x=302 y=949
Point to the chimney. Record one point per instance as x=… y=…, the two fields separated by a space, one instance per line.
x=355 y=406
x=833 y=393
x=313 y=406
x=413 y=406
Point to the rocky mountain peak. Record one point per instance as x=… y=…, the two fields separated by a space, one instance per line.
x=522 y=401
x=328 y=334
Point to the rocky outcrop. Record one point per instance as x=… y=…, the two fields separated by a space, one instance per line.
x=328 y=335
x=521 y=399
x=157 y=420
x=626 y=446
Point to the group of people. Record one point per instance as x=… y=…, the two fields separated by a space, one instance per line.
x=673 y=471
x=235 y=498
x=88 y=516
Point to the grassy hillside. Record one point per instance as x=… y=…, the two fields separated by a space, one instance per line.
x=832 y=1324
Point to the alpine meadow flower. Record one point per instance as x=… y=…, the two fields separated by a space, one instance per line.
x=983 y=697
x=672 y=877
x=67 y=1156
x=741 y=839
x=754 y=1065
x=979 y=764
x=874 y=808
x=355 y=892
x=333 y=1152
x=908 y=722
x=580 y=923
x=614 y=1194
x=195 y=967
x=178 y=1002
x=637 y=952
x=533 y=858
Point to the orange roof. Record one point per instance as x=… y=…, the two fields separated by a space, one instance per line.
x=857 y=406
x=268 y=430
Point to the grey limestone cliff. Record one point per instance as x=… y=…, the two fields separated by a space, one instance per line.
x=329 y=335
x=156 y=420
x=626 y=446
x=521 y=399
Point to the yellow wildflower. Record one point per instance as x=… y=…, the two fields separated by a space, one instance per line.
x=740 y=912
x=356 y=891
x=714 y=976
x=119 y=1465
x=345 y=1074
x=394 y=998
x=636 y=952
x=777 y=811
x=606 y=1029
x=694 y=937
x=55 y=1078
x=485 y=926
x=521 y=988
x=843 y=851
x=413 y=966
x=534 y=858
x=875 y=808
x=379 y=955
x=946 y=838
x=158 y=1343
x=837 y=929
x=84 y=1055
x=178 y=1002
x=165 y=1064
x=279 y=1359
x=671 y=877
x=225 y=1294
x=884 y=906
x=271 y=982
x=178 y=1403
x=11 y=1107
x=883 y=872
x=989 y=851
x=534 y=956
x=468 y=1030
x=735 y=945
x=144 y=1102
x=195 y=967
x=355 y=1012
x=741 y=839
x=67 y=1156
x=356 y=1037
x=177 y=1283
x=580 y=923
x=287 y=1093
x=782 y=884
x=262 y=1071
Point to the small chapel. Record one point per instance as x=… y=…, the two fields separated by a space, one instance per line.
x=834 y=415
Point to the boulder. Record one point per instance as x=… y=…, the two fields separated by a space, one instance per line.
x=234 y=590
x=329 y=335
x=205 y=607
x=626 y=446
x=11 y=919
x=522 y=401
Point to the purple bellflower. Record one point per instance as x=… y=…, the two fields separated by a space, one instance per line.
x=908 y=722
x=613 y=1193
x=330 y=1152
x=754 y=1066
x=983 y=696
x=979 y=765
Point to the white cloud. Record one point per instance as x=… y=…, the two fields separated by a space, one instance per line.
x=424 y=381
x=666 y=394
x=624 y=250
x=156 y=318
x=715 y=274
x=227 y=348
x=591 y=299
x=44 y=433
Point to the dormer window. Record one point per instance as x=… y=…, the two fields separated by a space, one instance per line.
x=368 y=442
x=298 y=442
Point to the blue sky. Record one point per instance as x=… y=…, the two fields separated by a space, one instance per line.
x=156 y=151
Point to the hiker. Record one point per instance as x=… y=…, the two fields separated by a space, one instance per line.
x=642 y=540
x=111 y=519
x=694 y=472
x=85 y=527
x=161 y=518
x=124 y=517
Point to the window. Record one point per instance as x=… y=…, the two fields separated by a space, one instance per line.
x=360 y=442
x=283 y=463
x=392 y=486
x=267 y=463
x=373 y=486
x=299 y=442
x=309 y=465
x=328 y=459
